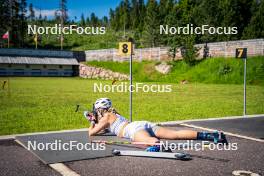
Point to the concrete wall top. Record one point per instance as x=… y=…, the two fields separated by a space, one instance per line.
x=35 y=53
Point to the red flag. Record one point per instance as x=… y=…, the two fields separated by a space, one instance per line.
x=6 y=35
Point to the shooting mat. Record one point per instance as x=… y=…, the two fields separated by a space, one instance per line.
x=55 y=156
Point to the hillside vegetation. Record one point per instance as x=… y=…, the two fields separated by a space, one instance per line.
x=212 y=70
x=77 y=42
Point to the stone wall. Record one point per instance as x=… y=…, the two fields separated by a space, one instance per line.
x=217 y=49
x=100 y=73
x=227 y=49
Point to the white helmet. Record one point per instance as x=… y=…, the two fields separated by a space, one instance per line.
x=103 y=103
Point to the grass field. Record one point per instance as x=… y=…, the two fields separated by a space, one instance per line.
x=44 y=104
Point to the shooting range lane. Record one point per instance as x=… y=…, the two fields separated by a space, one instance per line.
x=56 y=156
x=59 y=156
x=249 y=156
x=246 y=126
x=15 y=160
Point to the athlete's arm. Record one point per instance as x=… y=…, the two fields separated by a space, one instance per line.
x=94 y=129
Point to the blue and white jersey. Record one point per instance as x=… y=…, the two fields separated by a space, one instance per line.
x=116 y=126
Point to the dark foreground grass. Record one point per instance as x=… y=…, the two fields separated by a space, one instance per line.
x=44 y=104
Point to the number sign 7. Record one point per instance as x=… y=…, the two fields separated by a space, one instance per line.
x=241 y=53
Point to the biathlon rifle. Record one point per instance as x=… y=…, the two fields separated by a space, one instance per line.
x=90 y=115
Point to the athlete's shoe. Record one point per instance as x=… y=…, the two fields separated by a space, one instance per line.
x=154 y=148
x=219 y=137
x=157 y=148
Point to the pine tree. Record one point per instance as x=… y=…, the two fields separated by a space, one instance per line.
x=173 y=19
x=15 y=22
x=180 y=15
x=45 y=19
x=205 y=13
x=135 y=14
x=112 y=19
x=40 y=17
x=118 y=23
x=31 y=12
x=105 y=21
x=23 y=22
x=5 y=17
x=94 y=20
x=82 y=20
x=88 y=21
x=56 y=16
x=125 y=11
x=255 y=28
x=163 y=11
x=235 y=13
x=151 y=27
x=142 y=12
x=63 y=9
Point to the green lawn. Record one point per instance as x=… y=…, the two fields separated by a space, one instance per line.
x=44 y=104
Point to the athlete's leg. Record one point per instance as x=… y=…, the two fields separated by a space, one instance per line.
x=144 y=136
x=166 y=133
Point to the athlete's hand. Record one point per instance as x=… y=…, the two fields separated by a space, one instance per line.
x=89 y=116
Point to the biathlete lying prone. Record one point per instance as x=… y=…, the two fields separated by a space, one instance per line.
x=106 y=117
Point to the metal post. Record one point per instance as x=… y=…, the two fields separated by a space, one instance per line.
x=159 y=53
x=36 y=41
x=63 y=13
x=8 y=87
x=8 y=40
x=130 y=89
x=245 y=79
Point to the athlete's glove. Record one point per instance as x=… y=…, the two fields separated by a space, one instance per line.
x=89 y=116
